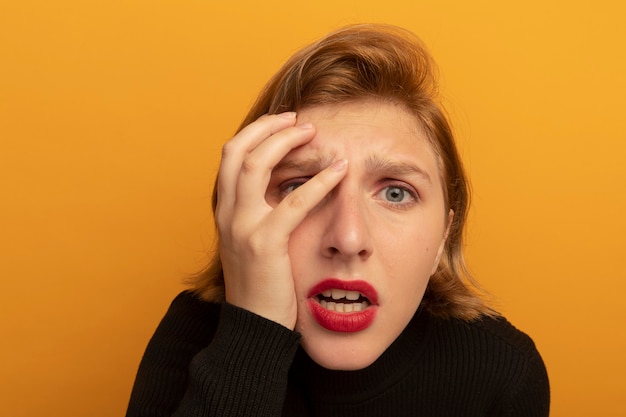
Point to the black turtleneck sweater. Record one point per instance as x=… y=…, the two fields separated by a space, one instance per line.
x=209 y=359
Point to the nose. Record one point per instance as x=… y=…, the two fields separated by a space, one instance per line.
x=347 y=232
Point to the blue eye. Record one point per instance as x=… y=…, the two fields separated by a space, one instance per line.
x=397 y=195
x=291 y=185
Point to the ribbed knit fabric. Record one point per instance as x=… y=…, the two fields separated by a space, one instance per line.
x=211 y=360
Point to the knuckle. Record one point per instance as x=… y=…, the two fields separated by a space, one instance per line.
x=295 y=200
x=249 y=164
x=228 y=149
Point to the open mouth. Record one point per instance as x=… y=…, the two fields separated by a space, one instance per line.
x=345 y=306
x=343 y=301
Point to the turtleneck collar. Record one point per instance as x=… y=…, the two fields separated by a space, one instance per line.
x=324 y=385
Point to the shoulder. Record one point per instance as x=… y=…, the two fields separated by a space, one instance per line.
x=162 y=377
x=189 y=318
x=499 y=359
x=189 y=303
x=501 y=332
x=486 y=333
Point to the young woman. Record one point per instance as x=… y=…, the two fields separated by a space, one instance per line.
x=339 y=287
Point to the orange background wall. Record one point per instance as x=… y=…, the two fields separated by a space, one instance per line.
x=112 y=114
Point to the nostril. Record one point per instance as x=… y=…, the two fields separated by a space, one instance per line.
x=333 y=251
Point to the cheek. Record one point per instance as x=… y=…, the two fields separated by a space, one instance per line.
x=415 y=256
x=409 y=269
x=302 y=241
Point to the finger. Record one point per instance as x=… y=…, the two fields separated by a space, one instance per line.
x=290 y=212
x=259 y=130
x=256 y=169
x=236 y=149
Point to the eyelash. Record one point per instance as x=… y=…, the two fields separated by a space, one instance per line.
x=285 y=188
x=408 y=191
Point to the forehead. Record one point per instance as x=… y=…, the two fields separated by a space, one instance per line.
x=365 y=129
x=363 y=116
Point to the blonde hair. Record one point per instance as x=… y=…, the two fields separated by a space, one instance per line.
x=379 y=62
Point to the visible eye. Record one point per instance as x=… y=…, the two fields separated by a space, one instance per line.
x=398 y=195
x=291 y=185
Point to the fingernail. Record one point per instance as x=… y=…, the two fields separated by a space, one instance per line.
x=340 y=165
x=305 y=126
x=288 y=115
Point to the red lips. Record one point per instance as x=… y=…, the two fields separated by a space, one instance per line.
x=344 y=321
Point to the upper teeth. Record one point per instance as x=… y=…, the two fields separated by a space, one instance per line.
x=337 y=294
x=343 y=307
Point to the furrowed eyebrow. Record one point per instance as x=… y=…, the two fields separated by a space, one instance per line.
x=376 y=164
x=373 y=164
x=312 y=164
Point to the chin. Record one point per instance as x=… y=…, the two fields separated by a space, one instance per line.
x=339 y=365
x=342 y=352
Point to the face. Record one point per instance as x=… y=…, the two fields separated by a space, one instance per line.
x=362 y=258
